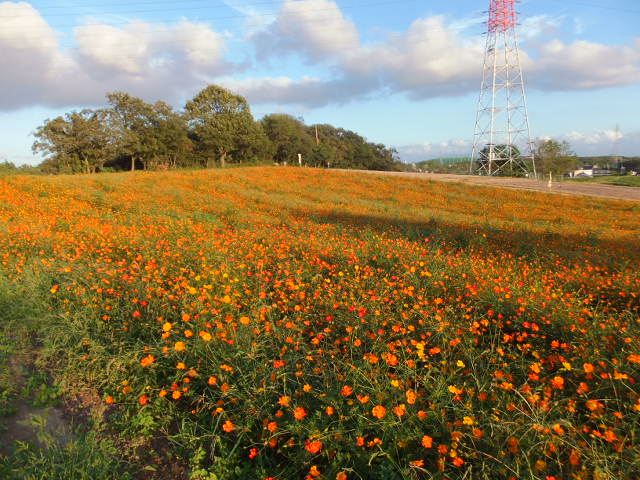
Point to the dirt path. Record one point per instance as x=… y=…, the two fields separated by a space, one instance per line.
x=565 y=188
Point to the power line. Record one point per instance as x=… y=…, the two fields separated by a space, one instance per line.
x=226 y=17
x=216 y=6
x=169 y=45
x=594 y=5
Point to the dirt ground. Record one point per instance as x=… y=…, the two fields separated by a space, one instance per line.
x=564 y=188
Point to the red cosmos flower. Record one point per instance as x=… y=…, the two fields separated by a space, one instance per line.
x=253 y=453
x=278 y=363
x=143 y=400
x=313 y=447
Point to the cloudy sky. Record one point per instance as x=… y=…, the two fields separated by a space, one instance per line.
x=402 y=72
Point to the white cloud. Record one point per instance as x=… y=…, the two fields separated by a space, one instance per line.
x=585 y=65
x=433 y=57
x=429 y=59
x=603 y=142
x=308 y=91
x=317 y=29
x=430 y=150
x=154 y=61
x=596 y=143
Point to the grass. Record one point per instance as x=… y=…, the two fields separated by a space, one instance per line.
x=621 y=180
x=296 y=323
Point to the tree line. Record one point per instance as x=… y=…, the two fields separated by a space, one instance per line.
x=214 y=129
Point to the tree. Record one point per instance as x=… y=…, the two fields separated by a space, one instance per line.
x=78 y=142
x=552 y=156
x=131 y=120
x=166 y=138
x=221 y=125
x=289 y=137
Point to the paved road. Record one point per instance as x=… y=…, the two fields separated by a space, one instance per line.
x=566 y=187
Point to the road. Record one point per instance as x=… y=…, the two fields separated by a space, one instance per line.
x=564 y=188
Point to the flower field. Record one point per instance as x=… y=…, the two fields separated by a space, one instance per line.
x=288 y=323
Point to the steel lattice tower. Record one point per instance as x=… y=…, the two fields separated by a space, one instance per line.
x=502 y=139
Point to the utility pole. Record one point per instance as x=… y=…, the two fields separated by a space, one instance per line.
x=502 y=138
x=616 y=148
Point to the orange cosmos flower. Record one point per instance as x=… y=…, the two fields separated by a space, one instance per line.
x=391 y=359
x=148 y=360
x=411 y=397
x=379 y=411
x=143 y=400
x=179 y=346
x=299 y=413
x=228 y=426
x=284 y=400
x=400 y=410
x=109 y=400
x=166 y=327
x=588 y=367
x=272 y=426
x=427 y=441
x=341 y=476
x=557 y=382
x=313 y=447
x=346 y=391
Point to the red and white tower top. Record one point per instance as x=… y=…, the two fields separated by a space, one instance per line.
x=502 y=15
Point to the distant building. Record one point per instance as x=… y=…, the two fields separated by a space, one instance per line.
x=591 y=171
x=585 y=171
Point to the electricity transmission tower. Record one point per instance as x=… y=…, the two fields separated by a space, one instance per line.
x=502 y=139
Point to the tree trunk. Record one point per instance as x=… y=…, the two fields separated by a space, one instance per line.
x=133 y=163
x=223 y=156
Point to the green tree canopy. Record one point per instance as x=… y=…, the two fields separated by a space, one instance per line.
x=289 y=137
x=222 y=126
x=79 y=142
x=555 y=157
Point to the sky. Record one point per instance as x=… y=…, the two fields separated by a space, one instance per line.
x=405 y=73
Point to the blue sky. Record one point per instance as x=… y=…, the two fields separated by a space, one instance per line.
x=401 y=72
